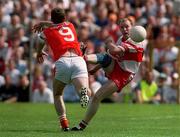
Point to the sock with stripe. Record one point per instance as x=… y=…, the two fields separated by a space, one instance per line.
x=64 y=122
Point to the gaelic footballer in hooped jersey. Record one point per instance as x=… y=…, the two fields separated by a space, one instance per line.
x=132 y=58
x=120 y=70
x=61 y=37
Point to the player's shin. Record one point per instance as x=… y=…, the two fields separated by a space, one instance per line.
x=61 y=112
x=91 y=111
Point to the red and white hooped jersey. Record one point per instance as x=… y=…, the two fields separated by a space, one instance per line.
x=133 y=56
x=60 y=38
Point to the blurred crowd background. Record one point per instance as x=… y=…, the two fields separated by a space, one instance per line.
x=22 y=79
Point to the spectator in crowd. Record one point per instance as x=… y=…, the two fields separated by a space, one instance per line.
x=15 y=23
x=21 y=64
x=102 y=16
x=3 y=49
x=169 y=92
x=83 y=32
x=42 y=94
x=3 y=45
x=2 y=81
x=3 y=18
x=13 y=72
x=20 y=34
x=147 y=90
x=23 y=89
x=140 y=20
x=37 y=76
x=8 y=92
x=3 y=54
x=112 y=27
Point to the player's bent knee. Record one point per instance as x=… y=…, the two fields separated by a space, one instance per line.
x=104 y=59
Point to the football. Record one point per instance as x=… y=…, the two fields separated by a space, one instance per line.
x=138 y=33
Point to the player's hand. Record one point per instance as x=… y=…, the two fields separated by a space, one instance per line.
x=83 y=47
x=120 y=55
x=40 y=57
x=39 y=27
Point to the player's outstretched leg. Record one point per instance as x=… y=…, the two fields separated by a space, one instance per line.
x=101 y=58
x=106 y=90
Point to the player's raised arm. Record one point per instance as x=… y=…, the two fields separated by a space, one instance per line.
x=39 y=27
x=40 y=52
x=113 y=49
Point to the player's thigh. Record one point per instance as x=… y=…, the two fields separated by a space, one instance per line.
x=63 y=70
x=105 y=91
x=79 y=75
x=58 y=87
x=110 y=68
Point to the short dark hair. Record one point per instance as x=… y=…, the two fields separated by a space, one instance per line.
x=57 y=15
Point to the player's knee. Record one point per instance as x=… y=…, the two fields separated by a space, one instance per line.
x=103 y=59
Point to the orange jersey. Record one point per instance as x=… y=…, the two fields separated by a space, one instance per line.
x=62 y=37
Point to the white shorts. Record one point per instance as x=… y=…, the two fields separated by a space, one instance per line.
x=68 y=68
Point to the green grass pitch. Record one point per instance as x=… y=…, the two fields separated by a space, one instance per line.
x=112 y=120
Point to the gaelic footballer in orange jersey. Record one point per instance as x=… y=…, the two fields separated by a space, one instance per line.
x=70 y=66
x=61 y=37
